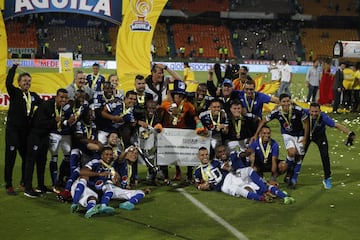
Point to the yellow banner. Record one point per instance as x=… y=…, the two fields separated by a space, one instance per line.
x=44 y=84
x=66 y=62
x=134 y=38
x=3 y=44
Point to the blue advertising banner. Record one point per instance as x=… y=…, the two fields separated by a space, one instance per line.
x=110 y=10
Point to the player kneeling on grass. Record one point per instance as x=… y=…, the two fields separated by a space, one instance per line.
x=218 y=175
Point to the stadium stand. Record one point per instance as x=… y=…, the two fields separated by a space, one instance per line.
x=321 y=41
x=21 y=36
x=209 y=37
x=113 y=32
x=200 y=5
x=67 y=38
x=275 y=39
x=330 y=8
x=274 y=6
x=160 y=39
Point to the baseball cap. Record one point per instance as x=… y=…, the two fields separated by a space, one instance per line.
x=227 y=82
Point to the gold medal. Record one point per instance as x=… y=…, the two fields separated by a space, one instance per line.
x=175 y=121
x=144 y=134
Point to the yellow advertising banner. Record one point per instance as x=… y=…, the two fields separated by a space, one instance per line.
x=134 y=38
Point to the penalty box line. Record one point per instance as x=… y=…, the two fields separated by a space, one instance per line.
x=239 y=235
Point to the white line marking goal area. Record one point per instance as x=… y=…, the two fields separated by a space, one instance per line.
x=239 y=235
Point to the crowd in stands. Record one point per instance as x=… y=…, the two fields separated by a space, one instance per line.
x=45 y=36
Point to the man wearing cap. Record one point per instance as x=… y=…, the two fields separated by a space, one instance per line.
x=225 y=93
x=178 y=113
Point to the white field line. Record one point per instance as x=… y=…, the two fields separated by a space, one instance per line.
x=234 y=231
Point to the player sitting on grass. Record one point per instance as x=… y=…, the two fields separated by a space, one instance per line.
x=244 y=182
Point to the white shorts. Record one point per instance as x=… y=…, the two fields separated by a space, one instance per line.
x=102 y=137
x=88 y=192
x=236 y=185
x=120 y=193
x=56 y=141
x=294 y=142
x=238 y=146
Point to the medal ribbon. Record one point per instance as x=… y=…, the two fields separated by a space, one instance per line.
x=237 y=127
x=312 y=127
x=249 y=108
x=129 y=173
x=125 y=111
x=205 y=175
x=112 y=170
x=267 y=151
x=58 y=113
x=217 y=123
x=198 y=106
x=27 y=98
x=287 y=120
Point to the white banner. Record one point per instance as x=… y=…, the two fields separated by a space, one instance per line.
x=179 y=147
x=351 y=49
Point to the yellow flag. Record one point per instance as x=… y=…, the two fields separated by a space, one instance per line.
x=3 y=44
x=134 y=38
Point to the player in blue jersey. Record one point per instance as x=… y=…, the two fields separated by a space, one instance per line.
x=219 y=176
x=95 y=79
x=264 y=153
x=92 y=177
x=121 y=115
x=317 y=133
x=61 y=138
x=85 y=147
x=254 y=101
x=215 y=120
x=294 y=125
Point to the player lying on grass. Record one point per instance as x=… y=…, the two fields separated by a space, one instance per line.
x=218 y=175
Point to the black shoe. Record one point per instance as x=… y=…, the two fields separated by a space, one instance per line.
x=286 y=179
x=31 y=194
x=43 y=189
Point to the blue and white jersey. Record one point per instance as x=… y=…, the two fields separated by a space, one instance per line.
x=259 y=154
x=124 y=170
x=237 y=162
x=290 y=123
x=100 y=100
x=318 y=126
x=65 y=112
x=95 y=81
x=87 y=132
x=211 y=122
x=96 y=166
x=254 y=106
x=211 y=173
x=119 y=109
